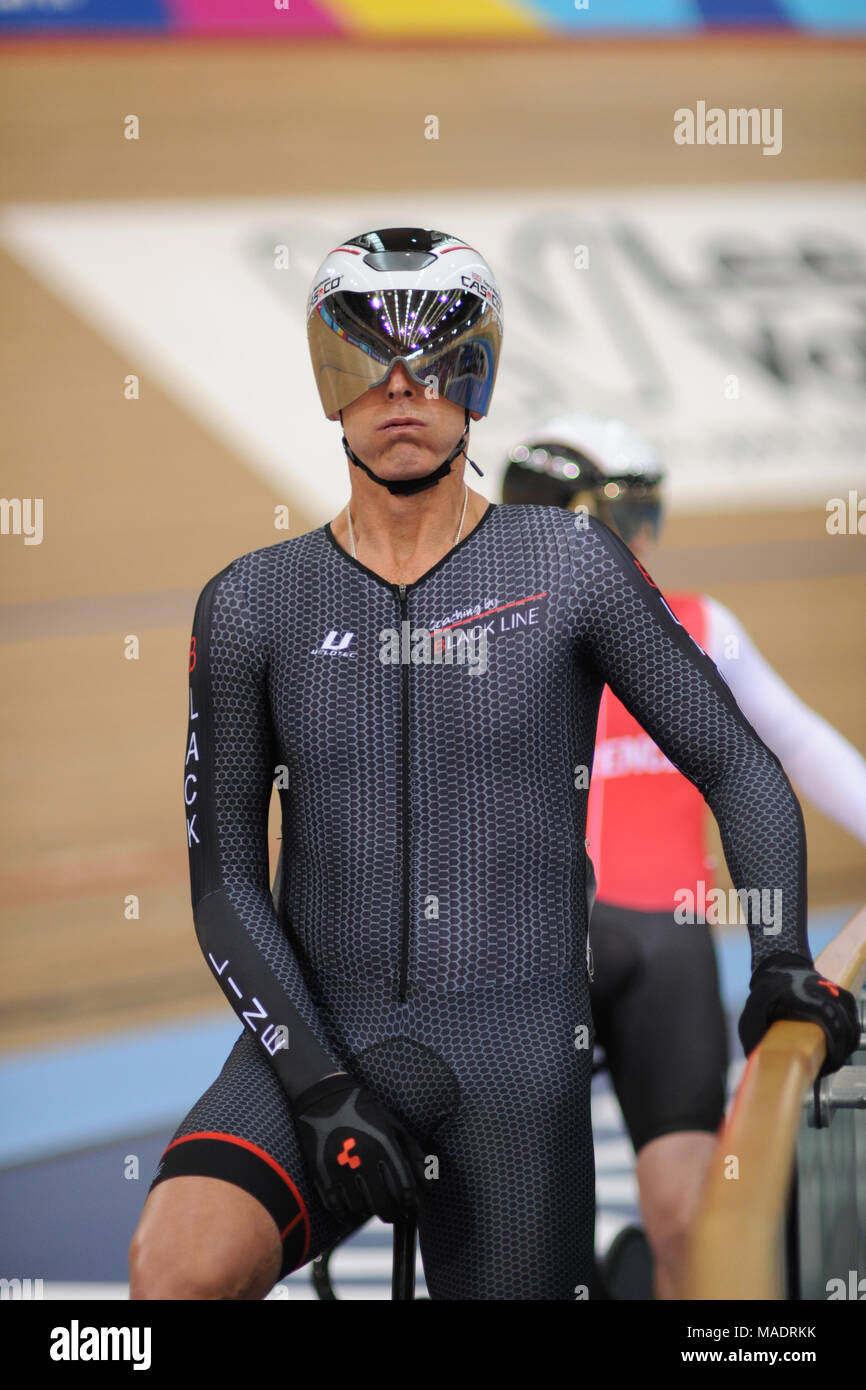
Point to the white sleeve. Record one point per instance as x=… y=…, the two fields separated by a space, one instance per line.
x=823 y=764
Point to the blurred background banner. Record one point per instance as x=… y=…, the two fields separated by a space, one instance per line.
x=163 y=205
x=725 y=324
x=460 y=18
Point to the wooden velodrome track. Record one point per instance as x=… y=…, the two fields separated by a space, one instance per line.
x=141 y=517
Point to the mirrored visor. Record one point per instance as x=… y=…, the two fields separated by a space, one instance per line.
x=448 y=340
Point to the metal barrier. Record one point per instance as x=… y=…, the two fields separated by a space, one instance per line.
x=784 y=1208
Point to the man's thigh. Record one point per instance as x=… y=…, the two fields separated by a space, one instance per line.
x=241 y=1133
x=510 y=1215
x=202 y=1238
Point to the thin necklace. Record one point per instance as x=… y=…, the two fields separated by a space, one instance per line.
x=456 y=538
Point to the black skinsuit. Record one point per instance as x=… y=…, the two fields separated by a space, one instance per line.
x=431 y=938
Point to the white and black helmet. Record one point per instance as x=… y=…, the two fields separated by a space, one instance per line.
x=588 y=460
x=405 y=294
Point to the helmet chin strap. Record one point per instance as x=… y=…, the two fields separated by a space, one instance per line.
x=402 y=487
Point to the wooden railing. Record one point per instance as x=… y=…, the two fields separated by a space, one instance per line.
x=737 y=1248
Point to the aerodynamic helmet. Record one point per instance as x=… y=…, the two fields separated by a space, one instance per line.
x=405 y=294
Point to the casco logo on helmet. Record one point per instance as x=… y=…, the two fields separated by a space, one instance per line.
x=480 y=287
x=324 y=287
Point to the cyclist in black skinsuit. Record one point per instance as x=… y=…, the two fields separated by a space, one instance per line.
x=416 y=1021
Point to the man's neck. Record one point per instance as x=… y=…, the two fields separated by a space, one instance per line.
x=401 y=538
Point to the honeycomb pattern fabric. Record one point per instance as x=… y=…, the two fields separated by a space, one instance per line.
x=494 y=1088
x=462 y=850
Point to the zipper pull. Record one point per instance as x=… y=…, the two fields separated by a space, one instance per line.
x=402 y=588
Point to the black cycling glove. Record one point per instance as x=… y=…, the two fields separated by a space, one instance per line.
x=362 y=1160
x=786 y=985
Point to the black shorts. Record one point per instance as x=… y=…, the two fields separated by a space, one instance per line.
x=658 y=1015
x=493 y=1083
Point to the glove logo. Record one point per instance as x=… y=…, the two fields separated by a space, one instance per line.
x=828 y=984
x=344 y=1157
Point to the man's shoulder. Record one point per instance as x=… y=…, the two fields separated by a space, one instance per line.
x=535 y=518
x=525 y=513
x=557 y=523
x=576 y=540
x=254 y=563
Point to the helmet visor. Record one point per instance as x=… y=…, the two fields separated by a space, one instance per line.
x=448 y=340
x=631 y=511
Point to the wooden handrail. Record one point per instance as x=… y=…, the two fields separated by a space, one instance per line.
x=737 y=1246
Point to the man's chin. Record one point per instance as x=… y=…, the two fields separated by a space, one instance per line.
x=404 y=470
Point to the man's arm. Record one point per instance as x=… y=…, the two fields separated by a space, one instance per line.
x=675 y=692
x=673 y=689
x=824 y=765
x=228 y=776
